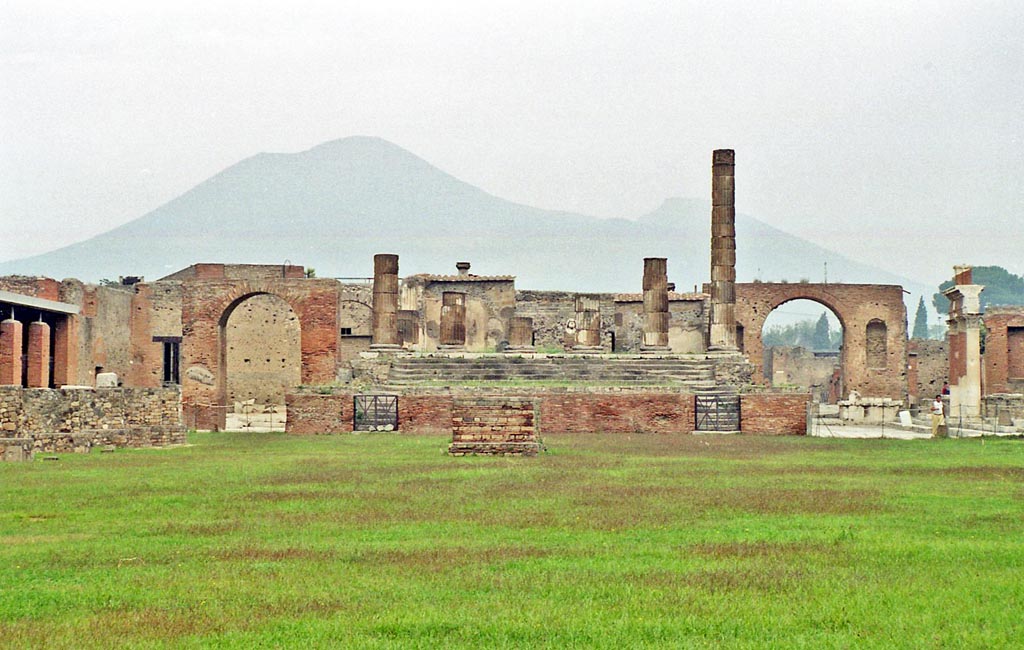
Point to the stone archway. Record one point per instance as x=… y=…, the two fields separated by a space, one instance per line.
x=867 y=312
x=811 y=360
x=207 y=305
x=261 y=360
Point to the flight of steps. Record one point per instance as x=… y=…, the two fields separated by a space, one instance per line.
x=696 y=373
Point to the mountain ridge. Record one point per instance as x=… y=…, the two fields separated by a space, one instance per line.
x=336 y=204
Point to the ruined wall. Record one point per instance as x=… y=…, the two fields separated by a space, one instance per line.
x=77 y=419
x=857 y=306
x=494 y=426
x=156 y=312
x=104 y=335
x=797 y=366
x=29 y=285
x=687 y=326
x=490 y=305
x=551 y=311
x=929 y=366
x=1003 y=362
x=206 y=305
x=355 y=316
x=774 y=413
x=263 y=350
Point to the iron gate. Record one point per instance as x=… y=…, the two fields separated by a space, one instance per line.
x=718 y=413
x=375 y=413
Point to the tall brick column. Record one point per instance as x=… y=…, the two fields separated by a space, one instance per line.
x=385 y=302
x=723 y=250
x=10 y=352
x=38 y=355
x=65 y=351
x=453 y=320
x=655 y=286
x=588 y=324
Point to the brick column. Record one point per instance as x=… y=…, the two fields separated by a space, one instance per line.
x=65 y=351
x=10 y=352
x=655 y=286
x=38 y=355
x=723 y=249
x=385 y=302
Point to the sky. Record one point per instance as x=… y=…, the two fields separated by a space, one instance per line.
x=890 y=132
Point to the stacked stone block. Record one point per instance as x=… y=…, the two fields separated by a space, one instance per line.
x=67 y=420
x=494 y=425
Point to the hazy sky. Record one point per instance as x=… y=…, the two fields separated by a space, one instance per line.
x=889 y=131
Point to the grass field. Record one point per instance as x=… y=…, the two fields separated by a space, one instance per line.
x=382 y=541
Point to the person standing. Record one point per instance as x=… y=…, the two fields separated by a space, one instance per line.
x=937 y=415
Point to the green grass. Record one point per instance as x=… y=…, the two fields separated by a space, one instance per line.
x=382 y=541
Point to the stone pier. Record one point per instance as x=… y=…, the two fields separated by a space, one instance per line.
x=453 y=320
x=385 y=303
x=655 y=287
x=723 y=250
x=964 y=344
x=10 y=352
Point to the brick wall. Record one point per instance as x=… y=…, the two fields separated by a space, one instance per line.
x=1004 y=350
x=619 y=412
x=310 y=413
x=774 y=413
x=77 y=419
x=494 y=425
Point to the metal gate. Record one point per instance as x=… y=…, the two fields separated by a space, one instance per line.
x=718 y=413
x=375 y=413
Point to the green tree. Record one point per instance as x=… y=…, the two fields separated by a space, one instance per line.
x=920 y=321
x=1001 y=288
x=822 y=339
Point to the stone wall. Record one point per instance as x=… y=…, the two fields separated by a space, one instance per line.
x=774 y=413
x=928 y=361
x=263 y=350
x=490 y=306
x=687 y=325
x=552 y=311
x=797 y=366
x=77 y=419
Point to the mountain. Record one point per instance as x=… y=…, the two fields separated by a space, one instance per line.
x=336 y=205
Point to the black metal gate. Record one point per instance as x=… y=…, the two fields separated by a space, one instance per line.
x=375 y=413
x=718 y=413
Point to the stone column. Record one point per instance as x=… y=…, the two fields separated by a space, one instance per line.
x=453 y=320
x=10 y=352
x=588 y=324
x=385 y=302
x=38 y=355
x=520 y=334
x=723 y=250
x=655 y=286
x=65 y=351
x=964 y=344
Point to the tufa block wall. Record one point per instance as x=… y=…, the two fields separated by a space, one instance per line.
x=774 y=413
x=59 y=420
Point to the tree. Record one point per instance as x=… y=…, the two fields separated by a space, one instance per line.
x=1001 y=288
x=920 y=321
x=822 y=339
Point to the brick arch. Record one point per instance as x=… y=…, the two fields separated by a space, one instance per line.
x=206 y=305
x=855 y=305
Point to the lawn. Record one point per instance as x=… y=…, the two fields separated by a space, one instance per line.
x=383 y=541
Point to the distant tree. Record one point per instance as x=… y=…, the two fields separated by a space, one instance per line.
x=1001 y=288
x=804 y=334
x=311 y=272
x=920 y=321
x=822 y=339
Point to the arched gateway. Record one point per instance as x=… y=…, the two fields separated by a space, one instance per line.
x=874 y=320
x=207 y=307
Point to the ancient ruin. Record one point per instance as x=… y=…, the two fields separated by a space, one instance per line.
x=266 y=347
